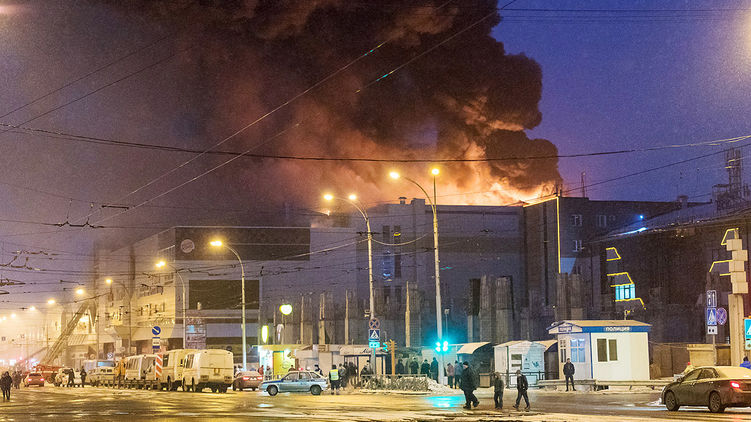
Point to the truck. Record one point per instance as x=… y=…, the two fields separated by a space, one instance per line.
x=208 y=368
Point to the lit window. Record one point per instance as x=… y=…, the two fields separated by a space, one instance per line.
x=578 y=245
x=576 y=220
x=577 y=350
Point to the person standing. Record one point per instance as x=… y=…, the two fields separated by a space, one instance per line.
x=414 y=367
x=5 y=383
x=521 y=389
x=425 y=368
x=746 y=364
x=71 y=378
x=343 y=376
x=434 y=369
x=498 y=390
x=469 y=386
x=457 y=374
x=450 y=374
x=83 y=377
x=399 y=368
x=334 y=380
x=16 y=377
x=568 y=372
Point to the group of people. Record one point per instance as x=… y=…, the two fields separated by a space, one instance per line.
x=468 y=383
x=8 y=381
x=342 y=375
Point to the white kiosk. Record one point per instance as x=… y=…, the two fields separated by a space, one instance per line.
x=604 y=350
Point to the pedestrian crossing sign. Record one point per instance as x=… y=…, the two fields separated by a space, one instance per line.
x=711 y=316
x=374 y=335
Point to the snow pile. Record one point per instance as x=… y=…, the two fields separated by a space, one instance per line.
x=439 y=388
x=405 y=383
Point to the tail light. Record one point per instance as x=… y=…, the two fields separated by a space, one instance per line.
x=41 y=379
x=260 y=378
x=246 y=378
x=735 y=384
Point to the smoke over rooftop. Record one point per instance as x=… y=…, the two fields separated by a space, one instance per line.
x=467 y=98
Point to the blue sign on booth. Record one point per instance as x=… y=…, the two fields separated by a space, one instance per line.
x=747 y=328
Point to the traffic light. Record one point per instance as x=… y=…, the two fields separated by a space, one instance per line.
x=441 y=347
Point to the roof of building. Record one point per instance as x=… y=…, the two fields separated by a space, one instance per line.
x=604 y=323
x=598 y=326
x=469 y=348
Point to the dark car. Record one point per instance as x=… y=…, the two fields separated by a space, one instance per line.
x=716 y=387
x=247 y=379
x=34 y=378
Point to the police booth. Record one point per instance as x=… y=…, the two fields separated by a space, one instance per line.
x=606 y=350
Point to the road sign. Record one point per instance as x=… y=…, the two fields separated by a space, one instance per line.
x=711 y=316
x=722 y=316
x=711 y=298
x=374 y=335
x=747 y=328
x=374 y=344
x=156 y=342
x=712 y=329
x=156 y=330
x=374 y=324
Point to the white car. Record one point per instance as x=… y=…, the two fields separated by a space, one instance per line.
x=209 y=368
x=102 y=375
x=62 y=378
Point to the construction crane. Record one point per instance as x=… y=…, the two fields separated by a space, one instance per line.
x=62 y=341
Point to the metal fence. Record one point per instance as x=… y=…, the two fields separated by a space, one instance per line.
x=401 y=382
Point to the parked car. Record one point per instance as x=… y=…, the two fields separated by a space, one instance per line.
x=101 y=375
x=716 y=387
x=247 y=379
x=140 y=371
x=296 y=381
x=62 y=377
x=210 y=368
x=34 y=378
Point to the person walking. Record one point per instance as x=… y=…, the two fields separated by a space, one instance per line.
x=334 y=380
x=450 y=374
x=5 y=383
x=83 y=377
x=457 y=374
x=746 y=364
x=469 y=386
x=352 y=373
x=498 y=390
x=16 y=377
x=568 y=372
x=434 y=369
x=399 y=367
x=414 y=367
x=521 y=389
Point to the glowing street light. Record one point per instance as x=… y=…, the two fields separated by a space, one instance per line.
x=328 y=197
x=108 y=281
x=32 y=308
x=13 y=316
x=218 y=243
x=352 y=197
x=160 y=264
x=79 y=291
x=433 y=206
x=51 y=301
x=285 y=309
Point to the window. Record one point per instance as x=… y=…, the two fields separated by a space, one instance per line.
x=602 y=350
x=397 y=265
x=304 y=375
x=577 y=350
x=563 y=350
x=607 y=350
x=613 y=349
x=602 y=220
x=576 y=220
x=165 y=363
x=291 y=377
x=693 y=375
x=707 y=374
x=577 y=245
x=625 y=292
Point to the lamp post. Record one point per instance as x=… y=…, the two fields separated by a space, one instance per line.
x=218 y=244
x=432 y=202
x=162 y=264
x=351 y=199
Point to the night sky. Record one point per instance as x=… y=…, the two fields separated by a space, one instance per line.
x=185 y=77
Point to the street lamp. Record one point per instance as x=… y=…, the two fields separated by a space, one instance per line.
x=217 y=244
x=51 y=301
x=79 y=291
x=433 y=206
x=351 y=200
x=161 y=264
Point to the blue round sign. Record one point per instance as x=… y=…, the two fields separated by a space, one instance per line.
x=156 y=330
x=722 y=316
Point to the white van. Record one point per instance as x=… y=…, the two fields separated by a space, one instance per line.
x=102 y=375
x=172 y=368
x=210 y=368
x=140 y=371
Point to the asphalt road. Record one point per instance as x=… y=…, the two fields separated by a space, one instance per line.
x=106 y=404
